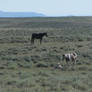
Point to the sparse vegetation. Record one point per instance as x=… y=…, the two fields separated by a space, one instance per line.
x=31 y=68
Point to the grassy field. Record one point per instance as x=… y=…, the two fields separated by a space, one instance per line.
x=30 y=68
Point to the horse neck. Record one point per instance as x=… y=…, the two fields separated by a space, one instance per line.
x=43 y=35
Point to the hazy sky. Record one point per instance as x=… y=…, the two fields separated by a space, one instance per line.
x=49 y=7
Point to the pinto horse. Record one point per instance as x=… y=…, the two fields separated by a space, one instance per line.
x=38 y=36
x=70 y=57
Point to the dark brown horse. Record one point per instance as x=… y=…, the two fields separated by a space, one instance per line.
x=38 y=36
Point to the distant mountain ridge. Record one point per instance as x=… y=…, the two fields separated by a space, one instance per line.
x=21 y=14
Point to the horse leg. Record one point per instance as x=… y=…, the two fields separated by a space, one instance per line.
x=32 y=41
x=75 y=61
x=67 y=62
x=40 y=40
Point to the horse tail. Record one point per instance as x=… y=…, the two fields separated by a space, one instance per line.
x=63 y=57
x=32 y=40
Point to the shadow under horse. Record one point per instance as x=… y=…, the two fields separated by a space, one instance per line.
x=38 y=36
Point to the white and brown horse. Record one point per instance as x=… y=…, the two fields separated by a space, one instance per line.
x=70 y=57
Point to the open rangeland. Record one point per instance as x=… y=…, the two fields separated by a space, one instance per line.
x=26 y=67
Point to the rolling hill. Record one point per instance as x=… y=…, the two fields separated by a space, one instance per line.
x=20 y=14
